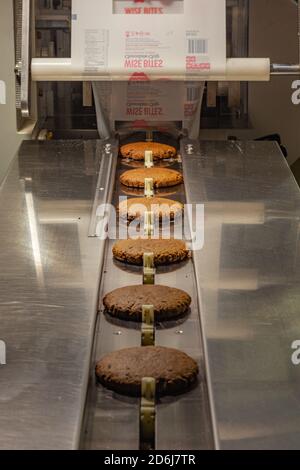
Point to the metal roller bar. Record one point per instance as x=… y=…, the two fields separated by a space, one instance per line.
x=242 y=69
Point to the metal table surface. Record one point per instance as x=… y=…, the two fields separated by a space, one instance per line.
x=49 y=281
x=248 y=277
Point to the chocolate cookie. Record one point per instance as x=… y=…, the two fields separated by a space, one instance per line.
x=162 y=177
x=126 y=303
x=136 y=150
x=161 y=207
x=165 y=251
x=122 y=371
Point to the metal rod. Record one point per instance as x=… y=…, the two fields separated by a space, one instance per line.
x=285 y=69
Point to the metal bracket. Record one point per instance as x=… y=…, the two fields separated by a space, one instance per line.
x=22 y=68
x=149 y=269
x=149 y=159
x=108 y=155
x=149 y=187
x=147 y=414
x=148 y=330
x=148 y=223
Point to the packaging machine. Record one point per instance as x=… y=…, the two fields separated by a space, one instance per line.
x=55 y=269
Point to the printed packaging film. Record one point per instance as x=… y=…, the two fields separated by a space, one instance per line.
x=166 y=35
x=162 y=38
x=183 y=40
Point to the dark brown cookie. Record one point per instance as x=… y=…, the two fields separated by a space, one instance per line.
x=122 y=371
x=161 y=207
x=165 y=251
x=136 y=150
x=162 y=177
x=126 y=303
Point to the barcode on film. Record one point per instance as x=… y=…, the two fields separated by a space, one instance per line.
x=192 y=94
x=197 y=46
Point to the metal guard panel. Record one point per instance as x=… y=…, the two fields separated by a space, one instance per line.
x=49 y=281
x=248 y=277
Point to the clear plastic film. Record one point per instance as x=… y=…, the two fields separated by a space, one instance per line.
x=140 y=104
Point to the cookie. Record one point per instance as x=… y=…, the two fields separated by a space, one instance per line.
x=136 y=150
x=126 y=303
x=122 y=371
x=161 y=207
x=162 y=177
x=165 y=251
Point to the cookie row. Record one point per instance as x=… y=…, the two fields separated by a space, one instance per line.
x=174 y=371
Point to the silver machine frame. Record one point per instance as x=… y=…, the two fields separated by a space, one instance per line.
x=55 y=270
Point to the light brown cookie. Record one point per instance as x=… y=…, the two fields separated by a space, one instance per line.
x=136 y=150
x=165 y=251
x=161 y=207
x=126 y=302
x=162 y=177
x=122 y=371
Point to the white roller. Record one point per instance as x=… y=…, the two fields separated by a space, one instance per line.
x=248 y=69
x=47 y=69
x=245 y=69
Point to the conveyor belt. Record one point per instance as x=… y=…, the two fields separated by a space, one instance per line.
x=112 y=421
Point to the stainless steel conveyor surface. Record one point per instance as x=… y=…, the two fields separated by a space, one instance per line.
x=247 y=280
x=248 y=277
x=49 y=280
